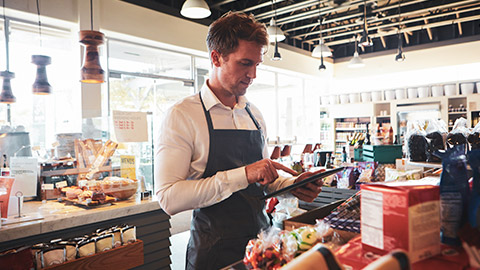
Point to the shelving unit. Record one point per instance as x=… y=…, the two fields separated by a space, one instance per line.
x=345 y=128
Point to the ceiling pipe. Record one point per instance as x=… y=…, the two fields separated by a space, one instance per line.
x=404 y=22
x=417 y=12
x=262 y=5
x=412 y=28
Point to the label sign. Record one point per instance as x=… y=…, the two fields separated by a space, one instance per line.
x=130 y=126
x=24 y=169
x=127 y=167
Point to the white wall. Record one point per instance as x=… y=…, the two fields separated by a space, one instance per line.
x=456 y=62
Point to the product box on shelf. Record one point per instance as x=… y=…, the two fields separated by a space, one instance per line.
x=405 y=217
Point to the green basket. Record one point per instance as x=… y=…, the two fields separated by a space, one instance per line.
x=382 y=153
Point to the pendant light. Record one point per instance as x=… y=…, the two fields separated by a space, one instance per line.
x=195 y=9
x=356 y=61
x=275 y=34
x=41 y=85
x=321 y=49
x=91 y=71
x=6 y=96
x=322 y=67
x=365 y=41
x=276 y=53
x=400 y=57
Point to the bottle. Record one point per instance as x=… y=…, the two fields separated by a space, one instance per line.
x=318 y=257
x=390 y=135
x=328 y=163
x=5 y=170
x=344 y=155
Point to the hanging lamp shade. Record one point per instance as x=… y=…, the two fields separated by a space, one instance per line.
x=6 y=96
x=321 y=49
x=91 y=71
x=274 y=32
x=41 y=85
x=356 y=61
x=195 y=9
x=365 y=41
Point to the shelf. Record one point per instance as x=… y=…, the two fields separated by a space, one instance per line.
x=456 y=113
x=383 y=116
x=350 y=129
x=343 y=141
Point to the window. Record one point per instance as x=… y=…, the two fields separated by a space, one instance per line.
x=43 y=116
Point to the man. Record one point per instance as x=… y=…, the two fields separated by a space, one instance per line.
x=211 y=155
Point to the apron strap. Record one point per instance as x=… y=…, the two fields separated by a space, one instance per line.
x=209 y=118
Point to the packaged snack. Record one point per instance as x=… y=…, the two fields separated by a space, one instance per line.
x=104 y=242
x=436 y=135
x=459 y=134
x=53 y=255
x=86 y=247
x=454 y=191
x=417 y=144
x=129 y=234
x=474 y=137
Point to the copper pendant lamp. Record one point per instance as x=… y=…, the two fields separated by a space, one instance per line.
x=6 y=96
x=41 y=85
x=91 y=71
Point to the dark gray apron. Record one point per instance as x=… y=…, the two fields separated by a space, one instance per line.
x=219 y=233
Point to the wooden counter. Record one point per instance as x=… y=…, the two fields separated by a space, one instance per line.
x=58 y=220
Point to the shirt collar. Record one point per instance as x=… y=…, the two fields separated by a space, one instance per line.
x=210 y=99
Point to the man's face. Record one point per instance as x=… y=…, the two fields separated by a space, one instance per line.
x=238 y=69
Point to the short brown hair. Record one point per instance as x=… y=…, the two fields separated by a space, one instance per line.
x=224 y=33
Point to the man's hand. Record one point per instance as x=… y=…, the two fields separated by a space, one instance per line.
x=309 y=191
x=265 y=171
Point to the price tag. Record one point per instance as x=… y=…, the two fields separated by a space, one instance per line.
x=61 y=184
x=48 y=187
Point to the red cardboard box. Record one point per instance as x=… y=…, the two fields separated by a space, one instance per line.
x=401 y=217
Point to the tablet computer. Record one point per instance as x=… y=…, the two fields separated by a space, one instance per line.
x=303 y=182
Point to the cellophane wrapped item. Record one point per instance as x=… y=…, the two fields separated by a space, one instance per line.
x=271 y=250
x=436 y=135
x=459 y=133
x=274 y=247
x=417 y=144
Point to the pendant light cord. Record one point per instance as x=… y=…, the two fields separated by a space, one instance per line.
x=5 y=30
x=320 y=21
x=399 y=34
x=39 y=23
x=91 y=15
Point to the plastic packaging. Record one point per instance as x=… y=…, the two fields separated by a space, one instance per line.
x=436 y=136
x=459 y=134
x=474 y=137
x=417 y=144
x=454 y=191
x=474 y=204
x=318 y=257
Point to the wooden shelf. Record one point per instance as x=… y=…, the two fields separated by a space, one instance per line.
x=350 y=129
x=456 y=113
x=124 y=257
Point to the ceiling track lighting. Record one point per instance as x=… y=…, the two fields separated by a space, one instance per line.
x=321 y=49
x=195 y=9
x=41 y=86
x=6 y=96
x=400 y=57
x=365 y=41
x=91 y=71
x=275 y=33
x=356 y=61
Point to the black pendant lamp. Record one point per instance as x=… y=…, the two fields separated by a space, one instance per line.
x=365 y=40
x=276 y=35
x=91 y=71
x=276 y=53
x=400 y=57
x=41 y=85
x=6 y=96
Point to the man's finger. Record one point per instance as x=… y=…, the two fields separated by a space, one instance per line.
x=284 y=168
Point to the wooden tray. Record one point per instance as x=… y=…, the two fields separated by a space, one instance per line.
x=123 y=257
x=108 y=200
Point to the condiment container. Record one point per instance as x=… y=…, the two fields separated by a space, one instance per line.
x=466 y=88
x=412 y=92
x=366 y=96
x=389 y=95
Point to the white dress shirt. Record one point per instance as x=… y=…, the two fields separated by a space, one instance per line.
x=182 y=153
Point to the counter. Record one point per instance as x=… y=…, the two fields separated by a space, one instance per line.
x=51 y=220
